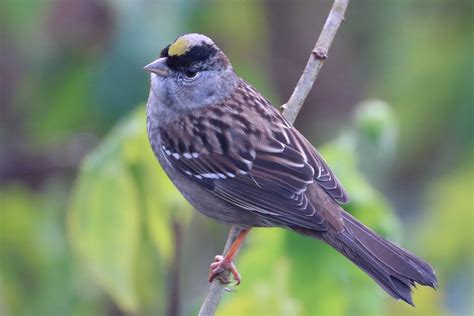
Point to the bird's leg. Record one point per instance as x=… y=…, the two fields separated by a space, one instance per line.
x=226 y=262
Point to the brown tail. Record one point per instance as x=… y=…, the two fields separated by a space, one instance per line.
x=393 y=268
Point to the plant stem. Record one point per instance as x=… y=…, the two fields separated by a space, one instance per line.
x=217 y=288
x=290 y=111
x=316 y=60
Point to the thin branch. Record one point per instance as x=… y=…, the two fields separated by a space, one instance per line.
x=316 y=60
x=217 y=288
x=290 y=111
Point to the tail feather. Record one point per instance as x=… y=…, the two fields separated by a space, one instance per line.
x=393 y=268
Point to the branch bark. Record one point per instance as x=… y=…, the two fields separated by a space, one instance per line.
x=217 y=288
x=316 y=60
x=290 y=111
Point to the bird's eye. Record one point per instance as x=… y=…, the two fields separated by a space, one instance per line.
x=190 y=74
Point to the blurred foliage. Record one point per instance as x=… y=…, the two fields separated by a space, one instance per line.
x=125 y=242
x=429 y=84
x=37 y=266
x=119 y=190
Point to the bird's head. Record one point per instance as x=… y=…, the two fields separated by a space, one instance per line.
x=191 y=72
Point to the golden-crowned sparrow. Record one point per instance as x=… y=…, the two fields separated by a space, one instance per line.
x=236 y=159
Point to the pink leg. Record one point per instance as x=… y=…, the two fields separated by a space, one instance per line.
x=226 y=262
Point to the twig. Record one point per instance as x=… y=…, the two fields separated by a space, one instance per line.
x=316 y=60
x=290 y=111
x=217 y=288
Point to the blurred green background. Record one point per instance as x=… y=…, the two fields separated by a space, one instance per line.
x=89 y=224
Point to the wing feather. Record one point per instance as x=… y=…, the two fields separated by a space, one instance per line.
x=265 y=167
x=323 y=175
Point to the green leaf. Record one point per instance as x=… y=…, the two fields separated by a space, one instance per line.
x=104 y=229
x=119 y=182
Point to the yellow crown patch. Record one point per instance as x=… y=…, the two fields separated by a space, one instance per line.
x=179 y=47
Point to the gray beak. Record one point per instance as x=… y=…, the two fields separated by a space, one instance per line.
x=158 y=67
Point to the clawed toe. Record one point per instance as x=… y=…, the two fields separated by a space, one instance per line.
x=222 y=263
x=218 y=266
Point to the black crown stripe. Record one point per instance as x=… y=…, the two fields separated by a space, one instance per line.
x=195 y=55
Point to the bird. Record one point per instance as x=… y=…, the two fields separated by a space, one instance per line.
x=236 y=159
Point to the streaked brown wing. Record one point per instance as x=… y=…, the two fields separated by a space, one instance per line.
x=323 y=174
x=288 y=135
x=269 y=181
x=262 y=164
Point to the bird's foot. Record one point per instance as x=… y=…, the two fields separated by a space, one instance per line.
x=221 y=264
